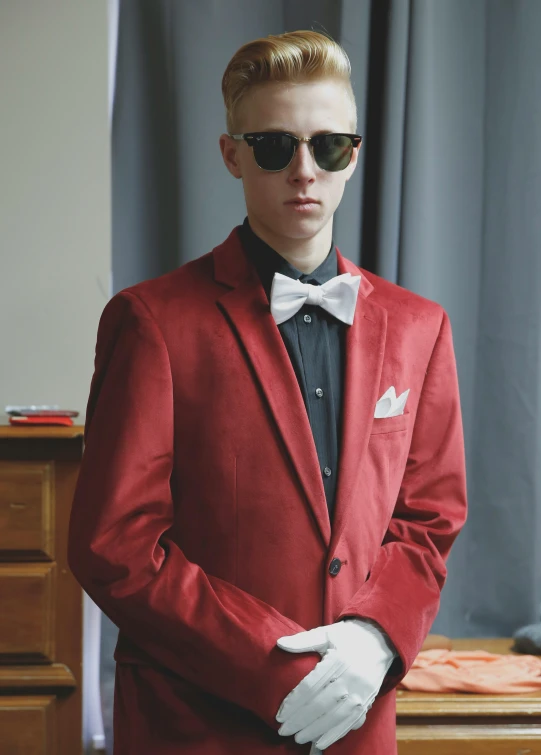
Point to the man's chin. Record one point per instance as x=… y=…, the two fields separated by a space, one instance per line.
x=301 y=227
x=294 y=228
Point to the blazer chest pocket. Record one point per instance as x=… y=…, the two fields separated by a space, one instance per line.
x=390 y=424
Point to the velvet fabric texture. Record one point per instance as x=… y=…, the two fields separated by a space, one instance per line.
x=199 y=523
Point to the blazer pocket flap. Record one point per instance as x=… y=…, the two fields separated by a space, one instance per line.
x=390 y=424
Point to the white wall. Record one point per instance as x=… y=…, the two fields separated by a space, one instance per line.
x=55 y=239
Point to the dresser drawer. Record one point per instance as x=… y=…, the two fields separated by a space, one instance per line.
x=27 y=725
x=475 y=739
x=26 y=510
x=27 y=624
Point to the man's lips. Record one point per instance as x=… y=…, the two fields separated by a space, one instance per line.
x=306 y=200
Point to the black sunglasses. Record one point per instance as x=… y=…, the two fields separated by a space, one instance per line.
x=274 y=150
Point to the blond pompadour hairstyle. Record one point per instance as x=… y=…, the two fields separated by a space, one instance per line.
x=292 y=57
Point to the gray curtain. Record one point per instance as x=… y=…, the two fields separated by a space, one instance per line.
x=444 y=201
x=451 y=185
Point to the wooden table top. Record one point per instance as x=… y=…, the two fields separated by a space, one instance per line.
x=40 y=431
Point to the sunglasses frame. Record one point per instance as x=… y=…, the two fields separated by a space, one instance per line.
x=356 y=140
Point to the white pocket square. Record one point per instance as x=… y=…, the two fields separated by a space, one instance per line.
x=389 y=405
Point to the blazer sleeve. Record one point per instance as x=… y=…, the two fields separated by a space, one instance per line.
x=402 y=593
x=196 y=625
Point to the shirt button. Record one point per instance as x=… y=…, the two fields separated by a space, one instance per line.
x=307 y=318
x=327 y=472
x=335 y=567
x=319 y=392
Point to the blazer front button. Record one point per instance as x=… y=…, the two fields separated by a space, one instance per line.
x=335 y=567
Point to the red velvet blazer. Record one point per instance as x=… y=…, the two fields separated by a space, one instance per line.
x=199 y=523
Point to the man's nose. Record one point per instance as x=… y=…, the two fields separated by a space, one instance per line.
x=303 y=160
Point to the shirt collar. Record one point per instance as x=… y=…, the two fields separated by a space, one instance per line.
x=267 y=261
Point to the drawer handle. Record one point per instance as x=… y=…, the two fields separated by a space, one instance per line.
x=17 y=505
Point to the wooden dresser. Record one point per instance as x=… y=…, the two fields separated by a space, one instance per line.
x=469 y=724
x=41 y=604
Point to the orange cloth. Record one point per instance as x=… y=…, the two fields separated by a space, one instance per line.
x=473 y=671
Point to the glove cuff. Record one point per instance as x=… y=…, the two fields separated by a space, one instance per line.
x=378 y=637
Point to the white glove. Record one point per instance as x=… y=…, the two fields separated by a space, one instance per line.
x=336 y=695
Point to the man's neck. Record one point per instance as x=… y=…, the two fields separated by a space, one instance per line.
x=304 y=254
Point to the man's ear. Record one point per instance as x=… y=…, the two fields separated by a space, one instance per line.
x=228 y=147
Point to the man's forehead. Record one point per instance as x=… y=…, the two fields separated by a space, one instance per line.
x=291 y=130
x=264 y=109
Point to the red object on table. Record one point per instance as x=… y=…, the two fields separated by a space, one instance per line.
x=50 y=420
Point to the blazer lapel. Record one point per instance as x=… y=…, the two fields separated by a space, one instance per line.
x=364 y=347
x=247 y=310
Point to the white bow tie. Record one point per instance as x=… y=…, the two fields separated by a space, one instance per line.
x=338 y=296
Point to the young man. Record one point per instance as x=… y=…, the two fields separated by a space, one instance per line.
x=263 y=517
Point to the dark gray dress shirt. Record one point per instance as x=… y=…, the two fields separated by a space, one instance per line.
x=314 y=340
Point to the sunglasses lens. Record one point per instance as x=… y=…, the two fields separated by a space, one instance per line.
x=273 y=151
x=333 y=151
